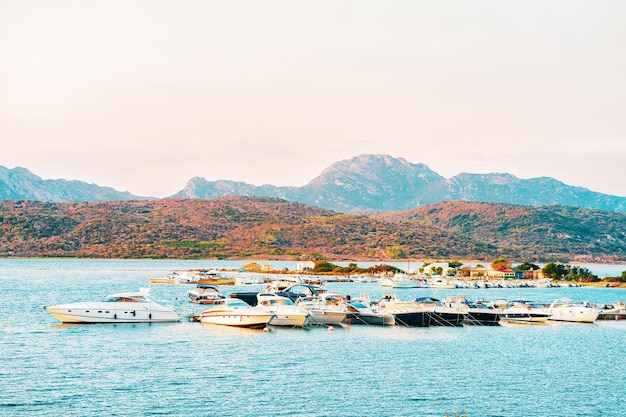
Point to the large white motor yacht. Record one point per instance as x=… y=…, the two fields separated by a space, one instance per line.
x=564 y=309
x=130 y=307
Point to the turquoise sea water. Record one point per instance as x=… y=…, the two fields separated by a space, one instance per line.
x=189 y=369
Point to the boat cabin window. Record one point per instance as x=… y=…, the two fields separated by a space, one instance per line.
x=120 y=299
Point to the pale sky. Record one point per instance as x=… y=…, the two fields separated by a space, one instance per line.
x=143 y=95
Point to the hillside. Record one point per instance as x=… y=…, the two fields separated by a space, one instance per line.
x=261 y=227
x=547 y=232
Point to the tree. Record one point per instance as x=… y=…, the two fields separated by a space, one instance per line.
x=455 y=264
x=554 y=270
x=527 y=266
x=323 y=266
x=500 y=263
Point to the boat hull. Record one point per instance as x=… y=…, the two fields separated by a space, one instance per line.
x=109 y=315
x=245 y=320
x=482 y=318
x=327 y=317
x=412 y=319
x=445 y=318
x=525 y=318
x=372 y=320
x=291 y=320
x=574 y=315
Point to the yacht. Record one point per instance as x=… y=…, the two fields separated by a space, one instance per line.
x=564 y=309
x=322 y=312
x=615 y=311
x=235 y=312
x=285 y=311
x=129 y=307
x=361 y=312
x=212 y=276
x=481 y=313
x=405 y=313
x=439 y=282
x=177 y=277
x=440 y=314
x=525 y=312
x=204 y=294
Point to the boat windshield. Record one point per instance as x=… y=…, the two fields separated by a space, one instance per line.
x=125 y=299
x=358 y=304
x=237 y=303
x=279 y=302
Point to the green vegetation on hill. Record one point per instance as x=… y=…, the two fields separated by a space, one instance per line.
x=261 y=227
x=547 y=233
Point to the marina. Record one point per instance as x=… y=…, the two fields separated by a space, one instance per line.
x=75 y=369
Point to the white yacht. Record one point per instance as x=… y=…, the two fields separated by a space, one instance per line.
x=564 y=309
x=235 y=312
x=204 y=294
x=525 y=312
x=322 y=312
x=130 y=307
x=285 y=311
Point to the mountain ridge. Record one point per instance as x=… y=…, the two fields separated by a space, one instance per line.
x=384 y=183
x=364 y=183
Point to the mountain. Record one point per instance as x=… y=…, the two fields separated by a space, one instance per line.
x=365 y=183
x=21 y=184
x=384 y=183
x=269 y=228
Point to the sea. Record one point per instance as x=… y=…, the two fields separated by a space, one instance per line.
x=192 y=369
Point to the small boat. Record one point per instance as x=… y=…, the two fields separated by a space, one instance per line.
x=524 y=312
x=322 y=313
x=398 y=281
x=129 y=307
x=284 y=310
x=481 y=313
x=235 y=312
x=212 y=276
x=296 y=291
x=361 y=312
x=439 y=282
x=204 y=294
x=615 y=311
x=439 y=314
x=564 y=309
x=405 y=313
x=177 y=277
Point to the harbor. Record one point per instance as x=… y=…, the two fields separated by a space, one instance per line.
x=165 y=368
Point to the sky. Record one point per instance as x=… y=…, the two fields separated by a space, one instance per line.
x=143 y=95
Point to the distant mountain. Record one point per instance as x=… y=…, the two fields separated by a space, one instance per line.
x=365 y=183
x=21 y=184
x=385 y=183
